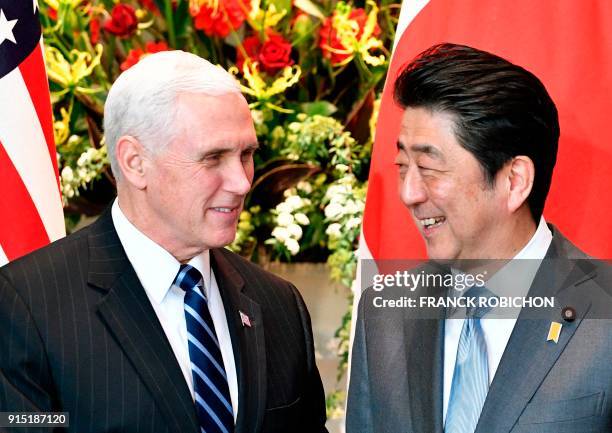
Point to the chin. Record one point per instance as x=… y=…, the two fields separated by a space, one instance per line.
x=441 y=254
x=222 y=240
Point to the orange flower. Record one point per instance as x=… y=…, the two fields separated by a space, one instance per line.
x=220 y=19
x=330 y=42
x=136 y=54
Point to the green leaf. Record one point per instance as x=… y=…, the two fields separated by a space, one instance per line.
x=159 y=3
x=181 y=17
x=323 y=108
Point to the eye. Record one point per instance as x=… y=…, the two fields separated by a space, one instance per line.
x=247 y=155
x=211 y=159
x=402 y=168
x=427 y=168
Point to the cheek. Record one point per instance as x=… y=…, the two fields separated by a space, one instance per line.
x=249 y=170
x=203 y=183
x=442 y=192
x=162 y=187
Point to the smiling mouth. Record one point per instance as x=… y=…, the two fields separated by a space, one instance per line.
x=224 y=209
x=429 y=223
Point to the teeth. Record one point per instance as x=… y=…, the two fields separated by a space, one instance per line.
x=427 y=222
x=223 y=209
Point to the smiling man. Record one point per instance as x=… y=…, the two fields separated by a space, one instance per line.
x=457 y=204
x=143 y=321
x=475 y=154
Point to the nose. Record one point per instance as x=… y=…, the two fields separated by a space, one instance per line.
x=412 y=189
x=238 y=179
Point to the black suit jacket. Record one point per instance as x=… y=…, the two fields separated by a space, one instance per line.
x=78 y=334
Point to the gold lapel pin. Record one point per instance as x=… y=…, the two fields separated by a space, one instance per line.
x=554 y=332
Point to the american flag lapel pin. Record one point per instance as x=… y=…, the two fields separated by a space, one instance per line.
x=245 y=319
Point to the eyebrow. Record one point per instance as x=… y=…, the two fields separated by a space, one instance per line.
x=427 y=149
x=221 y=150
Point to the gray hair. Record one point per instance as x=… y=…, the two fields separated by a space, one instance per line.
x=142 y=101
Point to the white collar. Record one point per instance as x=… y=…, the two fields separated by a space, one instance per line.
x=155 y=267
x=516 y=277
x=538 y=245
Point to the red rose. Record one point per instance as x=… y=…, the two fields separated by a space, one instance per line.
x=273 y=55
x=220 y=22
x=136 y=54
x=328 y=37
x=123 y=21
x=251 y=47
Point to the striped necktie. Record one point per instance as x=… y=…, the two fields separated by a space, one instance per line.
x=212 y=397
x=471 y=376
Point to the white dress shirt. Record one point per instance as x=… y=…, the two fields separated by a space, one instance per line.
x=497 y=331
x=156 y=269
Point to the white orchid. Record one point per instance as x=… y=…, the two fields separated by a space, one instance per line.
x=293 y=246
x=284 y=219
x=334 y=230
x=295 y=231
x=333 y=211
x=294 y=202
x=281 y=234
x=301 y=219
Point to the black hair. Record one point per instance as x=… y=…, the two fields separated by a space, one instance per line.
x=500 y=110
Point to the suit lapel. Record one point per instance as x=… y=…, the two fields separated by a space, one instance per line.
x=425 y=357
x=247 y=341
x=130 y=318
x=528 y=356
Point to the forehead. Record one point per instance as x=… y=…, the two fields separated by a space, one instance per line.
x=212 y=108
x=427 y=131
x=223 y=119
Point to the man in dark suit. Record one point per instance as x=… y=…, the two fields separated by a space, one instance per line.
x=142 y=321
x=476 y=152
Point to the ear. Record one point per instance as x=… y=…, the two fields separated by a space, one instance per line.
x=131 y=159
x=521 y=173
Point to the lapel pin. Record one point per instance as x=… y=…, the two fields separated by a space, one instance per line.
x=245 y=319
x=568 y=314
x=554 y=332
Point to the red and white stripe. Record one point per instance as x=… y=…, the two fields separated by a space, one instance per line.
x=31 y=212
x=409 y=10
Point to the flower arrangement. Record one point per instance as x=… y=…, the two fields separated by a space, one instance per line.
x=311 y=71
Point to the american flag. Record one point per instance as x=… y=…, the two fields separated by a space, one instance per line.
x=246 y=321
x=30 y=203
